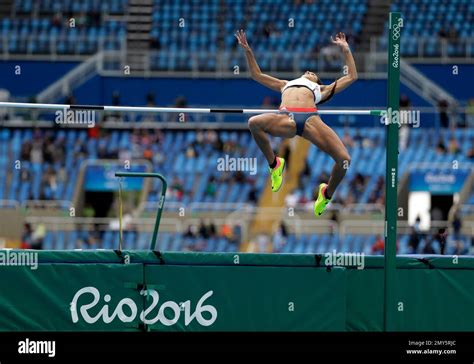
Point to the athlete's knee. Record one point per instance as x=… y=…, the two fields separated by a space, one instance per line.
x=254 y=123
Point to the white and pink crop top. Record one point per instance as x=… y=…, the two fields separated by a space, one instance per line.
x=304 y=82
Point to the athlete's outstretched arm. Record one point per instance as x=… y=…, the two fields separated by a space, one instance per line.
x=351 y=75
x=255 y=72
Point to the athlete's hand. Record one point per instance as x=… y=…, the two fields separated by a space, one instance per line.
x=242 y=39
x=340 y=40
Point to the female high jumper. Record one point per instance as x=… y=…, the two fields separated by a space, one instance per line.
x=301 y=94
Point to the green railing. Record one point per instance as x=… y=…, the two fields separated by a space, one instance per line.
x=164 y=186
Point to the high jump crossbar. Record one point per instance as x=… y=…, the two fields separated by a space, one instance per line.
x=25 y=105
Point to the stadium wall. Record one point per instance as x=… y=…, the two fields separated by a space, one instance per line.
x=452 y=77
x=28 y=78
x=105 y=291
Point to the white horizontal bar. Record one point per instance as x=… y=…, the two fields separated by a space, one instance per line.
x=24 y=105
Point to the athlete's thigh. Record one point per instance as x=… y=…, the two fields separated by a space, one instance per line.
x=326 y=139
x=279 y=125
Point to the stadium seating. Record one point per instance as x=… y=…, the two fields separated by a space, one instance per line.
x=367 y=152
x=271 y=27
x=70 y=6
x=299 y=244
x=45 y=27
x=426 y=20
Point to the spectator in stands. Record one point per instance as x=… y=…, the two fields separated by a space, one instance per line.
x=211 y=227
x=440 y=238
x=116 y=98
x=25 y=175
x=210 y=137
x=36 y=154
x=414 y=241
x=379 y=246
x=226 y=231
x=81 y=19
x=252 y=196
x=280 y=237
x=199 y=138
x=357 y=185
x=88 y=210
x=441 y=147
x=236 y=237
x=211 y=187
x=305 y=175
x=331 y=57
x=268 y=29
x=158 y=157
x=50 y=179
x=177 y=188
x=292 y=198
x=470 y=113
x=377 y=194
x=80 y=149
x=442 y=33
x=48 y=149
x=367 y=142
x=470 y=152
x=95 y=18
x=148 y=153
x=453 y=35
x=417 y=224
x=5 y=97
x=430 y=247
x=150 y=99
x=70 y=99
x=94 y=132
x=155 y=43
x=26 y=237
x=38 y=236
x=405 y=102
x=453 y=146
x=181 y=101
x=25 y=151
x=59 y=150
x=458 y=246
x=443 y=113
x=191 y=151
x=218 y=144
x=203 y=230
x=239 y=177
x=57 y=20
x=191 y=232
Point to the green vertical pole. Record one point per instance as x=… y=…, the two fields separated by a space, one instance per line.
x=391 y=178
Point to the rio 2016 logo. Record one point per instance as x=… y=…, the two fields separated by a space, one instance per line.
x=130 y=316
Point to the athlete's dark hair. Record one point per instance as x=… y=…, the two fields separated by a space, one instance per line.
x=331 y=94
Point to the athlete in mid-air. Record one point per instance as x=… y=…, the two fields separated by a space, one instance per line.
x=301 y=94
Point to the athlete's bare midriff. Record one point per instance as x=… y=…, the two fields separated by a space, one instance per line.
x=297 y=97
